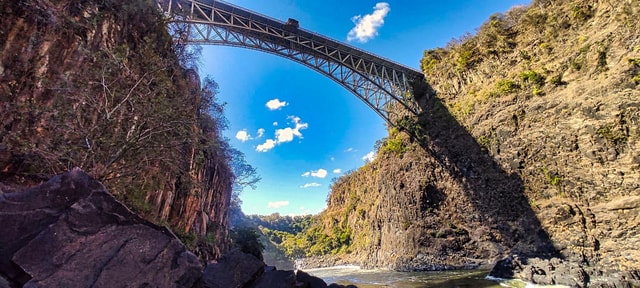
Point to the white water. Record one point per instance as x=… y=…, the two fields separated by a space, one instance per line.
x=383 y=278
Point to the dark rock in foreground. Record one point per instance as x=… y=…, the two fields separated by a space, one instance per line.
x=234 y=269
x=556 y=271
x=70 y=232
x=239 y=269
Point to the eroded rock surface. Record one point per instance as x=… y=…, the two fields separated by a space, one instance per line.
x=70 y=232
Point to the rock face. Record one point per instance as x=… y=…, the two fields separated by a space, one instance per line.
x=56 y=115
x=70 y=232
x=530 y=147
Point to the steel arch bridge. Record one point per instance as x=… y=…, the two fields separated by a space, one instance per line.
x=382 y=84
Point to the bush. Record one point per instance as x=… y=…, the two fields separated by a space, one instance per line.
x=533 y=78
x=506 y=86
x=581 y=13
x=395 y=145
x=557 y=80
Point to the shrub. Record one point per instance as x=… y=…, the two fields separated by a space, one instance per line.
x=581 y=13
x=616 y=137
x=507 y=86
x=533 y=78
x=395 y=145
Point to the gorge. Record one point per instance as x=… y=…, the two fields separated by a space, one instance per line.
x=526 y=149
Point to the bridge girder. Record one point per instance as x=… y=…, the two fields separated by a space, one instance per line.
x=380 y=83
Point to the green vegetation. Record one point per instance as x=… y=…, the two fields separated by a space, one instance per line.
x=580 y=13
x=395 y=145
x=506 y=86
x=247 y=239
x=128 y=108
x=189 y=239
x=533 y=78
x=614 y=135
x=312 y=241
x=552 y=178
x=635 y=64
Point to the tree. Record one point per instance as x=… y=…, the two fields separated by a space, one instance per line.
x=248 y=240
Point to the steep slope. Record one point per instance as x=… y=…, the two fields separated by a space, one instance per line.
x=528 y=144
x=99 y=85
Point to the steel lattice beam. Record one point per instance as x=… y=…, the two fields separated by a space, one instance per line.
x=379 y=82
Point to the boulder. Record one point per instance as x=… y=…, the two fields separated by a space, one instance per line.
x=234 y=269
x=309 y=281
x=277 y=279
x=70 y=232
x=552 y=271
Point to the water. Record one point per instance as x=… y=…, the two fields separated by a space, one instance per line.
x=382 y=278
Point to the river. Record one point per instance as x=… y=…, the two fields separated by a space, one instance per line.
x=382 y=278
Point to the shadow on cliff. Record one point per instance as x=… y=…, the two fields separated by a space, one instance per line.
x=497 y=196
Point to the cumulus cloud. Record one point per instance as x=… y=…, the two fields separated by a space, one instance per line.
x=320 y=173
x=350 y=149
x=309 y=185
x=287 y=134
x=243 y=135
x=266 y=146
x=281 y=135
x=369 y=157
x=275 y=104
x=337 y=171
x=367 y=26
x=278 y=204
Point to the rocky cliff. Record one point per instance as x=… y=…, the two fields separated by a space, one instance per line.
x=528 y=144
x=100 y=85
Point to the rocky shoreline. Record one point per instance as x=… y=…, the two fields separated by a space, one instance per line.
x=538 y=271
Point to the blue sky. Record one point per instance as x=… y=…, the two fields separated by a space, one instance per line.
x=301 y=129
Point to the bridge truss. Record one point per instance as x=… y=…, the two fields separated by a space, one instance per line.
x=382 y=84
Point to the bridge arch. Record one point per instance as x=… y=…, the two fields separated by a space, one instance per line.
x=380 y=83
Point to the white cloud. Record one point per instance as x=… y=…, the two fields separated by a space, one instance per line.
x=369 y=157
x=282 y=135
x=287 y=134
x=309 y=185
x=275 y=123
x=367 y=26
x=275 y=104
x=277 y=204
x=337 y=171
x=333 y=158
x=350 y=149
x=320 y=173
x=243 y=135
x=266 y=146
